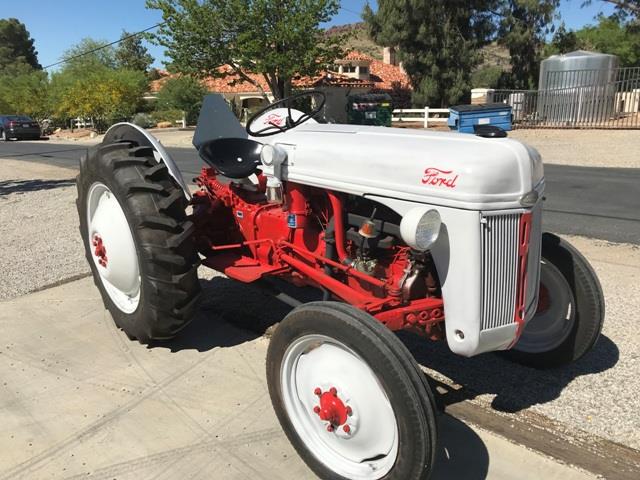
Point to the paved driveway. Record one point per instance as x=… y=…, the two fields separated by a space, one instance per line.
x=79 y=400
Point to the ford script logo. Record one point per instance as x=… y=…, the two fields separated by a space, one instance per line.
x=439 y=178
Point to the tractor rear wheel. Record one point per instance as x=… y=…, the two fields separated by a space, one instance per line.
x=349 y=395
x=570 y=311
x=137 y=239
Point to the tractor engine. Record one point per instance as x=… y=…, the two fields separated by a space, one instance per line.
x=347 y=246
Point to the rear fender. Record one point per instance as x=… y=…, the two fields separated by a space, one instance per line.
x=129 y=132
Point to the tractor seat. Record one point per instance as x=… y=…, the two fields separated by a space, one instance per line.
x=232 y=157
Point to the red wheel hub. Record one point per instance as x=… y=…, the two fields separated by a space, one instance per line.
x=332 y=409
x=100 y=251
x=544 y=299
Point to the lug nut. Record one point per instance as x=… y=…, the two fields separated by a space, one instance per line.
x=333 y=391
x=346 y=429
x=349 y=411
x=329 y=428
x=317 y=391
x=316 y=409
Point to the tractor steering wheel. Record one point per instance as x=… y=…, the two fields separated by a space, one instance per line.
x=275 y=126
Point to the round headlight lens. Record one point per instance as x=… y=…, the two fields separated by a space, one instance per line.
x=419 y=228
x=267 y=155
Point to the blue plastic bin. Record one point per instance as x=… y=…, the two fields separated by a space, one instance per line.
x=463 y=117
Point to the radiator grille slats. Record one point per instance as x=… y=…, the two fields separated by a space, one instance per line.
x=500 y=268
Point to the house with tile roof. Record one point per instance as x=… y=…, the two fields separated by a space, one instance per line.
x=356 y=73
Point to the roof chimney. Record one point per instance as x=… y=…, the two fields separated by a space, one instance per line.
x=389 y=55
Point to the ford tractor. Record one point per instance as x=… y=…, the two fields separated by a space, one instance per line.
x=436 y=233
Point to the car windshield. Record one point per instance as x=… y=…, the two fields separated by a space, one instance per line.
x=19 y=118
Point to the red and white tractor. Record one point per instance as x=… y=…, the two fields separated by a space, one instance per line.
x=398 y=229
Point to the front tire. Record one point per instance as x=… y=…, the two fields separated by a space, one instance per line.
x=349 y=395
x=138 y=240
x=570 y=311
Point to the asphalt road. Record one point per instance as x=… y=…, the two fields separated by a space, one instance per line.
x=601 y=203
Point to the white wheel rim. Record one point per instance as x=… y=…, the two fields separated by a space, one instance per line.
x=113 y=248
x=365 y=446
x=551 y=326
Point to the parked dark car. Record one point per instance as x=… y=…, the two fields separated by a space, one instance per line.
x=19 y=127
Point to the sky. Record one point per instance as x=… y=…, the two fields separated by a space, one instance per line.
x=63 y=23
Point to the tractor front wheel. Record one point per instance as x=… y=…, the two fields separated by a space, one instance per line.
x=349 y=395
x=137 y=239
x=570 y=310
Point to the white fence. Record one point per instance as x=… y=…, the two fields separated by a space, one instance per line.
x=425 y=115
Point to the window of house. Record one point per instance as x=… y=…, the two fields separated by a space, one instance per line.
x=364 y=70
x=349 y=69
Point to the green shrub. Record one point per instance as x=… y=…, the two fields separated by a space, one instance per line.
x=487 y=77
x=143 y=120
x=169 y=115
x=183 y=93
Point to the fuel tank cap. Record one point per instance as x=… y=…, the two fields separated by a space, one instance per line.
x=489 y=131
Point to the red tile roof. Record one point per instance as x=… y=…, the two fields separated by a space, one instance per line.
x=382 y=77
x=357 y=56
x=331 y=79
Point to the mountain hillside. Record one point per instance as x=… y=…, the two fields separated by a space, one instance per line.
x=358 y=39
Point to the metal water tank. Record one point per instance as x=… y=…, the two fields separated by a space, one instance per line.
x=577 y=87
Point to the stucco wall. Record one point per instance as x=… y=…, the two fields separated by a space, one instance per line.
x=336 y=107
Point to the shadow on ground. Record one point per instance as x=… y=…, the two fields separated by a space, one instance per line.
x=8 y=187
x=461 y=453
x=515 y=387
x=244 y=306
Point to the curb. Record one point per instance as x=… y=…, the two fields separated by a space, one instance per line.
x=554 y=439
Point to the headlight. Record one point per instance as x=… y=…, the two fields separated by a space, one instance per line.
x=420 y=227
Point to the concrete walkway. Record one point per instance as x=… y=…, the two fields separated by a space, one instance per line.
x=79 y=400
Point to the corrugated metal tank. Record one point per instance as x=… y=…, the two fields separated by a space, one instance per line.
x=577 y=86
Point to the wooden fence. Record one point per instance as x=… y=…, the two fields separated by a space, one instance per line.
x=425 y=115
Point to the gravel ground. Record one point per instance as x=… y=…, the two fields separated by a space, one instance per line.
x=584 y=148
x=40 y=245
x=598 y=394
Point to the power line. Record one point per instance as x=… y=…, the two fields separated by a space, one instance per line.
x=351 y=11
x=60 y=62
x=104 y=46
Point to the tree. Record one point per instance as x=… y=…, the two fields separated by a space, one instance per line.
x=274 y=38
x=183 y=93
x=89 y=54
x=102 y=93
x=563 y=41
x=625 y=9
x=89 y=84
x=24 y=90
x=614 y=37
x=131 y=54
x=522 y=29
x=16 y=45
x=437 y=42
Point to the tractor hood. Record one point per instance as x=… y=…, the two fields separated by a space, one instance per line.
x=438 y=168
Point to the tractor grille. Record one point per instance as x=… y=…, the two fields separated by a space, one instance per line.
x=499 y=236
x=535 y=252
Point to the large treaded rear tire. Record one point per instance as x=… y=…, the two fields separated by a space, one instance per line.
x=154 y=206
